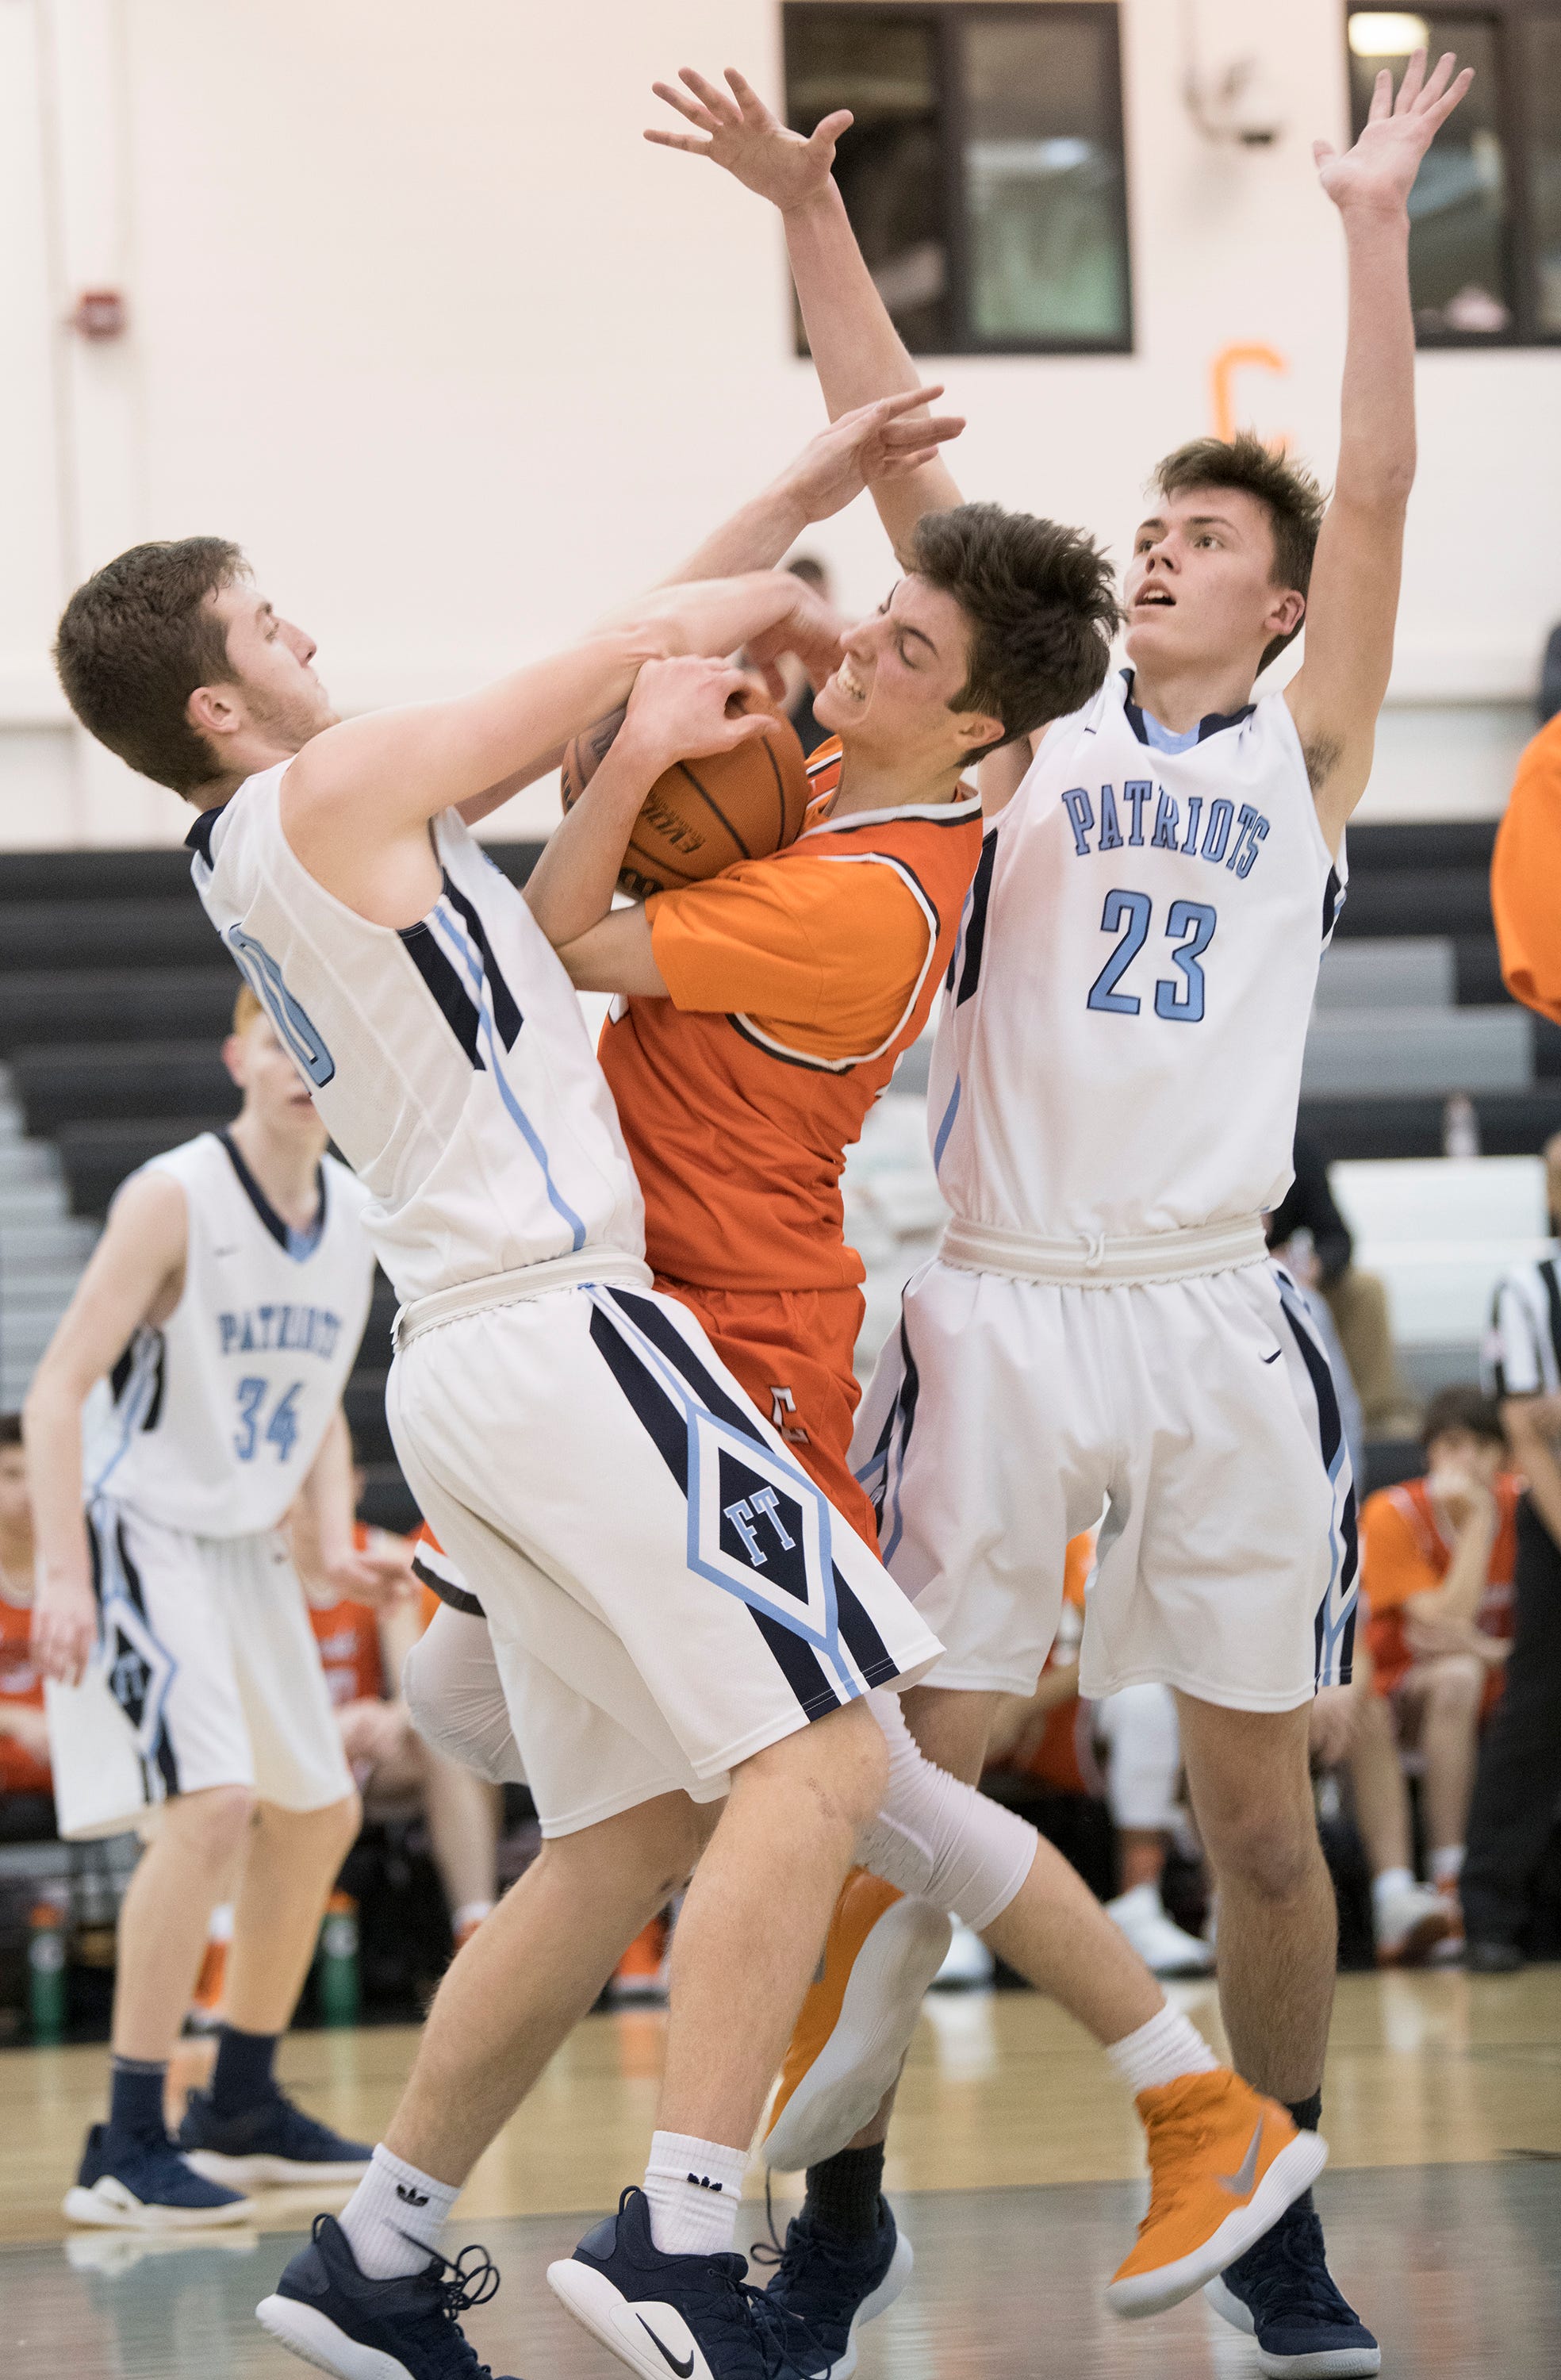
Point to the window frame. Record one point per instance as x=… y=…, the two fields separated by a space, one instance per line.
x=952 y=117
x=1520 y=252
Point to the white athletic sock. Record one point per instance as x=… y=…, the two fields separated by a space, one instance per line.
x=694 y=2188
x=395 y=2216
x=1391 y=1881
x=1448 y=1864
x=1161 y=2051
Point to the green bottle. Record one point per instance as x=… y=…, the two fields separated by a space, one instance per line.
x=45 y=1972
x=338 y=1960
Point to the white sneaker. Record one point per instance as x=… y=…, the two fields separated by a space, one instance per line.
x=1162 y=1944
x=1408 y=1923
x=969 y=1962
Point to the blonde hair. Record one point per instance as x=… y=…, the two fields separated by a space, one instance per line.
x=246 y=1008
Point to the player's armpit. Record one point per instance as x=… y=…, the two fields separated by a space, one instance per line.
x=615 y=955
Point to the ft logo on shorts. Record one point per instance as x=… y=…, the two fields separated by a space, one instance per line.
x=760 y=1529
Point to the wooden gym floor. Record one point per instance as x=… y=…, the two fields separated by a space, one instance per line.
x=1013 y=2166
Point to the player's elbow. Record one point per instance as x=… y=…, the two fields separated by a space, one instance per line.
x=1377 y=486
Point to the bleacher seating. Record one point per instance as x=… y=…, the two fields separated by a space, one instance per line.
x=114 y=1000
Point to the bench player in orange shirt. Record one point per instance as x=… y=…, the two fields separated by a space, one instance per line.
x=758 y=1016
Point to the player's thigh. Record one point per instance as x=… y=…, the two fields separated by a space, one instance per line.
x=1227 y=1559
x=159 y=1713
x=655 y=1512
x=298 y=1760
x=978 y=1440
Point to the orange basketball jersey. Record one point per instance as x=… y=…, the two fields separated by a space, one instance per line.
x=795 y=983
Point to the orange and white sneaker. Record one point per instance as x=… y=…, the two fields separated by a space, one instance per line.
x=205 y=2011
x=1224 y=2164
x=641 y=1973
x=880 y=1954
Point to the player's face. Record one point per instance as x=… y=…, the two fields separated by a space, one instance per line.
x=1200 y=588
x=1468 y=1454
x=15 y=1509
x=902 y=668
x=271 y=662
x=273 y=1089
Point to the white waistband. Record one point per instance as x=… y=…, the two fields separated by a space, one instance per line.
x=1104 y=1263
x=510 y=1288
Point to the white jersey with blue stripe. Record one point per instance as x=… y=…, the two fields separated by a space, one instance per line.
x=1120 y=1045
x=219 y=1412
x=450 y=1059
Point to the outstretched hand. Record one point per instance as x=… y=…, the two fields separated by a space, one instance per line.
x=740 y=133
x=886 y=440
x=1378 y=173
x=690 y=707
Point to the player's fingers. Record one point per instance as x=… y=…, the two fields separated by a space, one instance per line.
x=1439 y=79
x=1322 y=150
x=1382 y=96
x=748 y=101
x=687 y=141
x=685 y=106
x=1449 y=100
x=719 y=103
x=909 y=400
x=826 y=134
x=1408 y=90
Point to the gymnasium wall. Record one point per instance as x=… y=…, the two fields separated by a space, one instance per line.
x=415 y=314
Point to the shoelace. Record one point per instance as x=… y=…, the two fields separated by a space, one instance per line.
x=1175 y=2141
x=470 y=2279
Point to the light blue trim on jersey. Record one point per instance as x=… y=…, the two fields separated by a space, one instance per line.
x=1336 y=1611
x=945 y=1127
x=139 y=1389
x=1163 y=740
x=442 y=916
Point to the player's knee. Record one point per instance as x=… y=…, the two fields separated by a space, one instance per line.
x=838 y=1766
x=214 y=1824
x=1270 y=1853
x=470 y=1725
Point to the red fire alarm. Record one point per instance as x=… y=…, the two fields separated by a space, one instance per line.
x=99 y=314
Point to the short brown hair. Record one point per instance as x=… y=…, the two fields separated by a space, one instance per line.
x=134 y=642
x=246 y=1008
x=1291 y=497
x=1462 y=1408
x=1041 y=607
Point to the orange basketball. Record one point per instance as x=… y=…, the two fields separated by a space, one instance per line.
x=702 y=814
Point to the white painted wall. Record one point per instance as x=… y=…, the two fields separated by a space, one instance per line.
x=418 y=317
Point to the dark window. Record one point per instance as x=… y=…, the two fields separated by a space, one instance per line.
x=1485 y=212
x=984 y=175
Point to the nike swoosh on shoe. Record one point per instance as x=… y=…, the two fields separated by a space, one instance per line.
x=685 y=2371
x=1243 y=2181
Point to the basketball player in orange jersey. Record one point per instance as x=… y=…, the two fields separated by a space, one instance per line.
x=760 y=1016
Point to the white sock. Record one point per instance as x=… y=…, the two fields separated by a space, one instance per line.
x=1161 y=2051
x=1391 y=1881
x=694 y=2188
x=395 y=2216
x=1448 y=1864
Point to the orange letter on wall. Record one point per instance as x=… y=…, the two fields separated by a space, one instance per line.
x=1222 y=373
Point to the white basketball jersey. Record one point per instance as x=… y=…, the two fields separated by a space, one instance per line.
x=218 y=1414
x=450 y=1059
x=1120 y=1039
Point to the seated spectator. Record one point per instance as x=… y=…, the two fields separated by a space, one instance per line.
x=27 y=1809
x=362 y=1652
x=1357 y=1301
x=1052 y=1737
x=1437 y=1556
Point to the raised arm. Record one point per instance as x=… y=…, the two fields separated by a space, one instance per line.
x=857 y=352
x=1353 y=606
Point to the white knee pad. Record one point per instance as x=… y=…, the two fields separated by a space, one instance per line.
x=1141 y=1778
x=450 y=1685
x=938 y=1838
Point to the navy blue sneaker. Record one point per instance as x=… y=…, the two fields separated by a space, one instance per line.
x=138 y=2181
x=696 y=2317
x=831 y=2286
x=273 y=2141
x=331 y=2315
x=1282 y=2294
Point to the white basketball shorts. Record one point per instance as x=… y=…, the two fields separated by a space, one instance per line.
x=668 y=1592
x=1195 y=1420
x=206 y=1674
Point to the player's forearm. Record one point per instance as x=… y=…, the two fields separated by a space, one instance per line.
x=52 y=1435
x=571 y=887
x=753 y=539
x=324 y=1513
x=857 y=353
x=1376 y=455
x=1456 y=1600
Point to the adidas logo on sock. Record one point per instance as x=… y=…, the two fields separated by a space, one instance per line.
x=419 y=2197
x=703 y=2182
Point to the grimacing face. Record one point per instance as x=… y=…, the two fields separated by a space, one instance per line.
x=904 y=666
x=271 y=1083
x=270 y=665
x=1200 y=588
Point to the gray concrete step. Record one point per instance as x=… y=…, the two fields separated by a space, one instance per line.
x=1401 y=1052
x=1376 y=975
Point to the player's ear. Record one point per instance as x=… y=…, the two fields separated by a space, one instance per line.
x=978 y=730
x=232 y=1059
x=1285 y=614
x=215 y=712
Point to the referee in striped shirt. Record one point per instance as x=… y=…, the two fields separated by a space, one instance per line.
x=1518 y=1788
